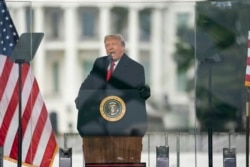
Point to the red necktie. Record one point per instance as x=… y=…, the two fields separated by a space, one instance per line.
x=110 y=70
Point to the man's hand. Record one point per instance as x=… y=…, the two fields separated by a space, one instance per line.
x=144 y=91
x=77 y=102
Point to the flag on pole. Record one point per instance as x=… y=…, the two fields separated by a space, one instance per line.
x=247 y=77
x=38 y=141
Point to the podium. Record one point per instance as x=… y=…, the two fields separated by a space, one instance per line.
x=112 y=124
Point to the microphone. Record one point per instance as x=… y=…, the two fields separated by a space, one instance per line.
x=110 y=59
x=110 y=56
x=109 y=65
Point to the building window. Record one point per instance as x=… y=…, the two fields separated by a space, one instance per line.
x=145 y=24
x=87 y=66
x=87 y=58
x=183 y=19
x=55 y=71
x=145 y=61
x=182 y=23
x=183 y=30
x=54 y=121
x=54 y=22
x=119 y=21
x=89 y=22
x=181 y=80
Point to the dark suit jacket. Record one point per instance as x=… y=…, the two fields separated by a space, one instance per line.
x=128 y=74
x=125 y=81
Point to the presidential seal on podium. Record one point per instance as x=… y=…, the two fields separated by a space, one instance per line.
x=112 y=108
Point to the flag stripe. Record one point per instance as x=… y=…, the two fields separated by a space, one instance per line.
x=247 y=83
x=10 y=134
x=36 y=135
x=27 y=115
x=4 y=75
x=13 y=151
x=38 y=141
x=248 y=42
x=27 y=139
x=10 y=99
x=248 y=60
x=3 y=93
x=248 y=71
x=50 y=147
x=26 y=111
x=2 y=64
x=247 y=75
x=43 y=138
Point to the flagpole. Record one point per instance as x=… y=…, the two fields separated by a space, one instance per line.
x=247 y=126
x=247 y=84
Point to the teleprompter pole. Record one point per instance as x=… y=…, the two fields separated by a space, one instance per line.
x=247 y=126
x=210 y=129
x=19 y=161
x=24 y=52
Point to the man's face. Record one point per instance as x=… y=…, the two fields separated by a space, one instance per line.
x=114 y=48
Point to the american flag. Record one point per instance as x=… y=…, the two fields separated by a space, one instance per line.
x=247 y=76
x=38 y=141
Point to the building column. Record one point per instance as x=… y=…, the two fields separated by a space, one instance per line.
x=70 y=60
x=20 y=22
x=39 y=59
x=104 y=16
x=70 y=54
x=133 y=31
x=156 y=52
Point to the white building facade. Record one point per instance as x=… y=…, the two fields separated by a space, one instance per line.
x=74 y=33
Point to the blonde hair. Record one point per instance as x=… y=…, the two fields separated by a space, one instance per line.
x=115 y=36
